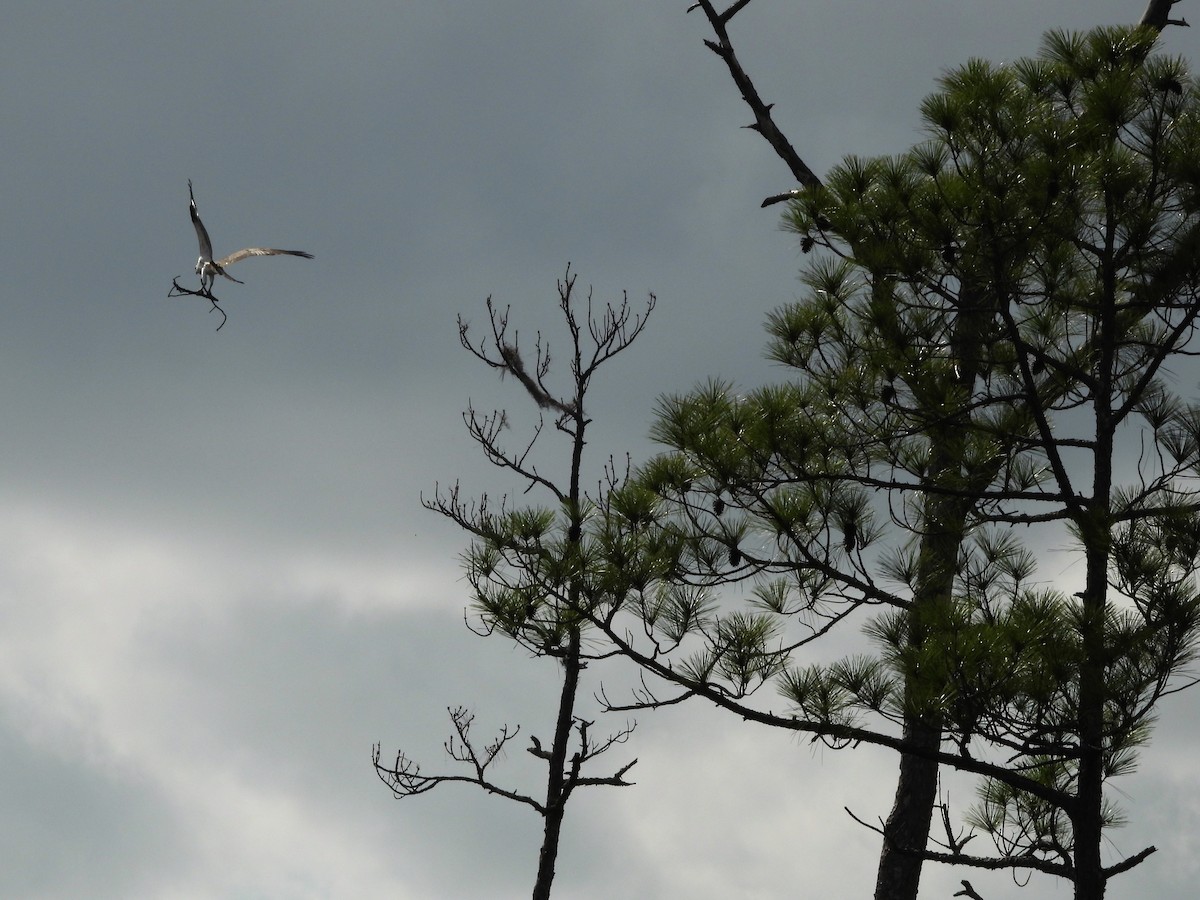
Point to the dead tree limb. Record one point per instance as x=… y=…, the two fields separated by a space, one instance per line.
x=1158 y=15
x=178 y=290
x=764 y=124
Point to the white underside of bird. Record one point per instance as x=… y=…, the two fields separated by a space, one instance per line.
x=208 y=268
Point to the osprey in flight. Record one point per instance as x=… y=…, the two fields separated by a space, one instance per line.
x=208 y=268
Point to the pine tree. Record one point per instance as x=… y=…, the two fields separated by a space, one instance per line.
x=526 y=565
x=989 y=322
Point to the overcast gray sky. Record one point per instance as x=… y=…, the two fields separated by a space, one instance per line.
x=218 y=588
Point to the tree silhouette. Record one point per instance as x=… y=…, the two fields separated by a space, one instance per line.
x=526 y=565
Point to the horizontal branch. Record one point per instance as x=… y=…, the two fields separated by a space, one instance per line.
x=848 y=734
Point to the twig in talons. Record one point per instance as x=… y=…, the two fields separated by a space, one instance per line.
x=224 y=318
x=178 y=290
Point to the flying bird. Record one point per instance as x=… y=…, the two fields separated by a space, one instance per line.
x=208 y=268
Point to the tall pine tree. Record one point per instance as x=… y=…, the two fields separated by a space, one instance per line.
x=989 y=322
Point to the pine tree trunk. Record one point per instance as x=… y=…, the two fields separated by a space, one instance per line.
x=549 y=854
x=907 y=827
x=906 y=832
x=557 y=788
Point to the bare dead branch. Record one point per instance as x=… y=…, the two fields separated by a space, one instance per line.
x=953 y=842
x=404 y=776
x=485 y=431
x=178 y=290
x=462 y=750
x=1126 y=864
x=1157 y=15
x=764 y=123
x=615 y=780
x=878 y=829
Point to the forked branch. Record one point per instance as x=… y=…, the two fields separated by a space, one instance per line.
x=405 y=779
x=178 y=290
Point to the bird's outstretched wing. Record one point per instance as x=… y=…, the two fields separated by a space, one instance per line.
x=211 y=268
x=259 y=251
x=201 y=232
